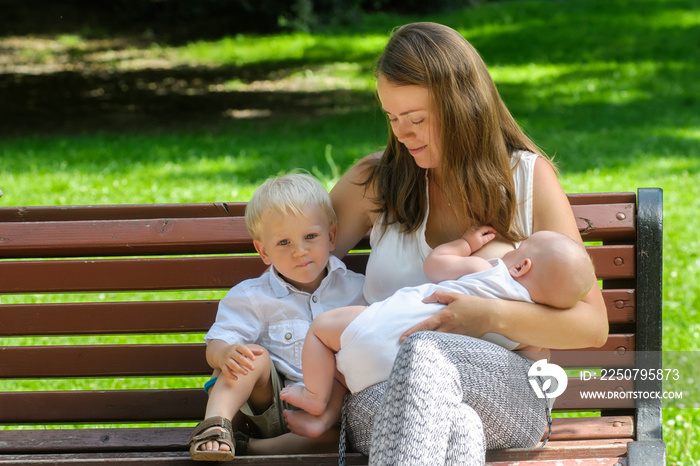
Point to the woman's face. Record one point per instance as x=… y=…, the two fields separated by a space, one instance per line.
x=413 y=120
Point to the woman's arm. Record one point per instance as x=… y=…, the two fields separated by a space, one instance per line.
x=584 y=325
x=354 y=206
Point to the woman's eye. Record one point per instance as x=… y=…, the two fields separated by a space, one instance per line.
x=418 y=122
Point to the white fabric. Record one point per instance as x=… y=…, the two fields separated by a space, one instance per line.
x=274 y=314
x=397 y=258
x=370 y=343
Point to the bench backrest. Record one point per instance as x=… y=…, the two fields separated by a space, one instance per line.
x=55 y=256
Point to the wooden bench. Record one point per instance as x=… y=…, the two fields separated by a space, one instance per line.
x=96 y=251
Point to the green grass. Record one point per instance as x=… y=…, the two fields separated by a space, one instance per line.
x=610 y=88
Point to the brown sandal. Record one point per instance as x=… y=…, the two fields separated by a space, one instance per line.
x=222 y=434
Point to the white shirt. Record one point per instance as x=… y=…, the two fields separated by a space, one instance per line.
x=370 y=342
x=397 y=258
x=270 y=312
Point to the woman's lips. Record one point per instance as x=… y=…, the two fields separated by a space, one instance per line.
x=417 y=150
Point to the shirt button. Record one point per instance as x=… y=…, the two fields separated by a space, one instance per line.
x=288 y=336
x=314 y=299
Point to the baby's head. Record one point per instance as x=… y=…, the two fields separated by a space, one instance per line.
x=293 y=225
x=556 y=270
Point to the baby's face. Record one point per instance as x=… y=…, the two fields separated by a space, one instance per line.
x=297 y=245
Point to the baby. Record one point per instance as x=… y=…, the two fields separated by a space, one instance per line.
x=548 y=268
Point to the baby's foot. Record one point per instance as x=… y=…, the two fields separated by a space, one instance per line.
x=305 y=424
x=302 y=398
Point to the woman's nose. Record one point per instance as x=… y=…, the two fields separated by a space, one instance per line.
x=403 y=131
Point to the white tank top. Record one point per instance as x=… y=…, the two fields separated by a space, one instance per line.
x=397 y=258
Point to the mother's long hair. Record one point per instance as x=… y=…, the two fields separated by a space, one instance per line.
x=477 y=133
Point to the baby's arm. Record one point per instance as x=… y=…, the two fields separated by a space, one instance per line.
x=452 y=260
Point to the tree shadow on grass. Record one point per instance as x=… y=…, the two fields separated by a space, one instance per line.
x=183 y=97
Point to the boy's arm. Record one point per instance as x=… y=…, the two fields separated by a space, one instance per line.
x=232 y=359
x=452 y=260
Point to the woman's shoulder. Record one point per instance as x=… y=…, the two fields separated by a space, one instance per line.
x=354 y=200
x=523 y=156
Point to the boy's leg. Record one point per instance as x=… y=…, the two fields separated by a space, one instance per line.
x=291 y=444
x=318 y=360
x=227 y=395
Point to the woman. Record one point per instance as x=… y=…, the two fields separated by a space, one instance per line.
x=455 y=158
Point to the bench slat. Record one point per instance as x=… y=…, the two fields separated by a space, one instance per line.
x=601 y=198
x=126 y=237
x=183 y=459
x=107 y=318
x=127 y=275
x=605 y=448
x=120 y=212
x=125 y=360
x=188 y=404
x=104 y=361
x=177 y=273
x=156 y=458
x=614 y=461
x=191 y=229
x=200 y=272
x=166 y=235
x=171 y=316
x=605 y=221
x=613 y=262
x=175 y=438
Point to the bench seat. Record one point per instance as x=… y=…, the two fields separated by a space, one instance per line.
x=115 y=294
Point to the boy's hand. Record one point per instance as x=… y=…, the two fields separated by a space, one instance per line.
x=479 y=236
x=238 y=359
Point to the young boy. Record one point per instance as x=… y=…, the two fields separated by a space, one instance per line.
x=548 y=268
x=255 y=345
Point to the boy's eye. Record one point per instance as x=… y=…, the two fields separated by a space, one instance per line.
x=311 y=236
x=284 y=242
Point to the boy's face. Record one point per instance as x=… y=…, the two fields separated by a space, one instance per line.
x=298 y=246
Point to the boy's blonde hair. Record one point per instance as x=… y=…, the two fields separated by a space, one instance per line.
x=286 y=194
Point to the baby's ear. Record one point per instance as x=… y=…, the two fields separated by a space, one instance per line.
x=521 y=268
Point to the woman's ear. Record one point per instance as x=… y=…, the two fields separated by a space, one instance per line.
x=261 y=250
x=521 y=268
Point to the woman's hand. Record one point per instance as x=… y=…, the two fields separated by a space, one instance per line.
x=462 y=314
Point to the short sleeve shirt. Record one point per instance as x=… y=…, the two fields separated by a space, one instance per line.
x=274 y=314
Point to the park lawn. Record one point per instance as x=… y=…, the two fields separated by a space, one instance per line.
x=610 y=89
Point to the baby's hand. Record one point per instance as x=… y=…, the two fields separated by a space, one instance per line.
x=238 y=359
x=479 y=237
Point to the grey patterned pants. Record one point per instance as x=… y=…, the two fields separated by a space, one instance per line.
x=449 y=398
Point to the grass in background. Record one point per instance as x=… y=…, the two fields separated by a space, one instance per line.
x=610 y=88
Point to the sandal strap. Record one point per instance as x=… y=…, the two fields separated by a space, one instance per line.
x=241 y=440
x=214 y=421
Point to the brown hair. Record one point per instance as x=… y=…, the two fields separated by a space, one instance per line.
x=477 y=132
